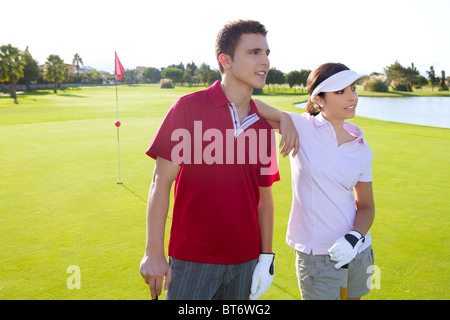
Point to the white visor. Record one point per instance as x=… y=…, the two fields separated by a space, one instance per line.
x=338 y=81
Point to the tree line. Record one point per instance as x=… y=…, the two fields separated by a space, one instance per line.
x=396 y=76
x=20 y=67
x=402 y=78
x=193 y=75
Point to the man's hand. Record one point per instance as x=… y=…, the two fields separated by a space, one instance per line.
x=345 y=249
x=289 y=136
x=153 y=269
x=263 y=275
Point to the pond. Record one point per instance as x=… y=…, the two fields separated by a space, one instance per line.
x=427 y=111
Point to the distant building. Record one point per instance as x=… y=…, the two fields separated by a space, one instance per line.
x=83 y=69
x=139 y=69
x=105 y=74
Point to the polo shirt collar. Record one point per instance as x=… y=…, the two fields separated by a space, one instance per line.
x=320 y=120
x=219 y=99
x=355 y=131
x=216 y=95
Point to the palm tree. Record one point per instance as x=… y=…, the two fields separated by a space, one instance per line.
x=55 y=70
x=11 y=67
x=76 y=62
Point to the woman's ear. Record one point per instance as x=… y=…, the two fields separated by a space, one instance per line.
x=225 y=61
x=319 y=101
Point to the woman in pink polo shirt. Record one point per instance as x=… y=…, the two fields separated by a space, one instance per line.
x=332 y=207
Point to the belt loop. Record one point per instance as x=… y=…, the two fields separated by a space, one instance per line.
x=327 y=259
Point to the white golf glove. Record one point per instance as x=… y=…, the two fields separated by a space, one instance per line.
x=262 y=275
x=345 y=248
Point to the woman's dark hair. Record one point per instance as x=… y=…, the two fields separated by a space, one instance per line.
x=316 y=77
x=229 y=36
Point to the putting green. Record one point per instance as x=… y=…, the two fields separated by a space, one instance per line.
x=61 y=204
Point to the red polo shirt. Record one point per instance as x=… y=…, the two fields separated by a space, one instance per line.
x=223 y=163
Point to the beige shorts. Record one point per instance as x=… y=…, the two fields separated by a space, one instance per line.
x=318 y=279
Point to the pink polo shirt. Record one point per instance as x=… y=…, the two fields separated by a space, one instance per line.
x=323 y=177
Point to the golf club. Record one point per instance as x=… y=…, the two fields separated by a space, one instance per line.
x=344 y=282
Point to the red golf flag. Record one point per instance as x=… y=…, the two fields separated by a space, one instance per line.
x=119 y=68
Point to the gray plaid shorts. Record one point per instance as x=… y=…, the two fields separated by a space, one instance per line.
x=203 y=281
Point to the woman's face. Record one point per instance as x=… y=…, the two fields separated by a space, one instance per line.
x=340 y=105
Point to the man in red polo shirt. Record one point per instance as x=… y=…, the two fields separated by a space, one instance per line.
x=218 y=149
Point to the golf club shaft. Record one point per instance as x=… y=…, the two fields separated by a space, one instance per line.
x=344 y=282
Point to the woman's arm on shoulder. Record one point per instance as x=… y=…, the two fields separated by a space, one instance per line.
x=281 y=120
x=270 y=114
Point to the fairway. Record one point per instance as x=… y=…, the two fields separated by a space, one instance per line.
x=61 y=206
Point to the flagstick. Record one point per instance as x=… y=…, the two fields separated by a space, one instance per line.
x=117 y=123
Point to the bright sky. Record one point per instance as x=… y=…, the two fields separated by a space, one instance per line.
x=365 y=35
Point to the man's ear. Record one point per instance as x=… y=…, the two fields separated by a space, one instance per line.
x=225 y=60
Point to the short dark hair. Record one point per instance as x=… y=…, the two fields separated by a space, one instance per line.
x=228 y=37
x=316 y=77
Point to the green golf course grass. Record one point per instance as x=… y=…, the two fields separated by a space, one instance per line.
x=60 y=204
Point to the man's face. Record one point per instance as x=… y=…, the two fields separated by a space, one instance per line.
x=250 y=63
